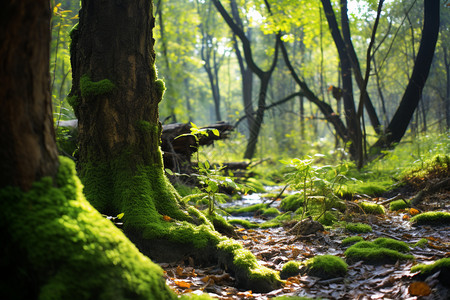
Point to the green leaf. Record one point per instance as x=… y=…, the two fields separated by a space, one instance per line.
x=120 y=216
x=169 y=171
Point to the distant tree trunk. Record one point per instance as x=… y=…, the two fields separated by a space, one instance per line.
x=28 y=150
x=447 y=98
x=400 y=121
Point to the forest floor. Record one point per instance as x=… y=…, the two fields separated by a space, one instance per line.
x=273 y=247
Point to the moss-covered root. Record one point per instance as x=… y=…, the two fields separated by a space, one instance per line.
x=380 y=251
x=248 y=272
x=442 y=265
x=372 y=208
x=325 y=266
x=65 y=249
x=431 y=218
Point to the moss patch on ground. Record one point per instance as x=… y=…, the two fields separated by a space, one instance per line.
x=325 y=266
x=442 y=265
x=243 y=223
x=372 y=208
x=292 y=202
x=358 y=227
x=348 y=241
x=248 y=272
x=399 y=204
x=289 y=269
x=431 y=218
x=380 y=251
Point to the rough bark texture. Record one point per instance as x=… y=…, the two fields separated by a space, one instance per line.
x=115 y=91
x=28 y=149
x=400 y=121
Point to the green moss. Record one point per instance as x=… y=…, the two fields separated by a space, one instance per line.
x=91 y=89
x=270 y=212
x=421 y=243
x=328 y=218
x=77 y=253
x=426 y=270
x=243 y=223
x=245 y=265
x=380 y=251
x=358 y=227
x=372 y=208
x=351 y=240
x=289 y=269
x=255 y=184
x=292 y=202
x=392 y=244
x=399 y=204
x=73 y=101
x=326 y=266
x=160 y=88
x=431 y=218
x=243 y=210
x=145 y=126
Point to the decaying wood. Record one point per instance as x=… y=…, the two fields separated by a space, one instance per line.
x=429 y=190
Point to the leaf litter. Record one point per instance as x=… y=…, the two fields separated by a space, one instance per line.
x=275 y=246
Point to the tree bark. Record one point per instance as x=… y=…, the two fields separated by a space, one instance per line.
x=28 y=150
x=400 y=121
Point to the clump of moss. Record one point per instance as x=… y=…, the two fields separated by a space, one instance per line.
x=421 y=243
x=372 y=208
x=326 y=266
x=327 y=219
x=399 y=204
x=247 y=270
x=91 y=89
x=358 y=227
x=289 y=269
x=255 y=184
x=380 y=251
x=431 y=218
x=245 y=210
x=243 y=223
x=73 y=101
x=433 y=268
x=270 y=212
x=437 y=167
x=442 y=265
x=292 y=202
x=351 y=240
x=160 y=88
x=145 y=126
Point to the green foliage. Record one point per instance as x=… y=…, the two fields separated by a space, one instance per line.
x=399 y=204
x=380 y=251
x=90 y=89
x=351 y=240
x=160 y=88
x=372 y=208
x=431 y=218
x=326 y=266
x=289 y=269
x=358 y=227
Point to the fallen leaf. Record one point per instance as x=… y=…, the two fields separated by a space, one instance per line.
x=406 y=217
x=419 y=288
x=167 y=218
x=182 y=284
x=413 y=211
x=240 y=229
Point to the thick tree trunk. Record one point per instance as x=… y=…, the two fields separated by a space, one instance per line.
x=28 y=149
x=400 y=121
x=115 y=95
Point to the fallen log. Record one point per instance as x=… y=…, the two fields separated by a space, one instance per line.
x=177 y=144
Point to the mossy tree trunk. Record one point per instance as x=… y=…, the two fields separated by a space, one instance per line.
x=54 y=245
x=115 y=95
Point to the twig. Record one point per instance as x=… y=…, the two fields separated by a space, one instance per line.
x=278 y=196
x=399 y=196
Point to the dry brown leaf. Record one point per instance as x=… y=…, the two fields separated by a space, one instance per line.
x=419 y=288
x=167 y=218
x=182 y=284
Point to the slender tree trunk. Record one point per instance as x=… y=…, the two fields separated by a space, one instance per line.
x=447 y=99
x=402 y=117
x=28 y=150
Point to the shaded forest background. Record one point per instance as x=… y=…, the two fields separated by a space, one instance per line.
x=202 y=62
